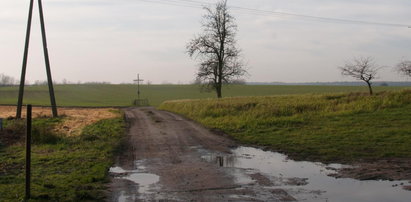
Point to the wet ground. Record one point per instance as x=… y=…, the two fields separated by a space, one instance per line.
x=171 y=158
x=299 y=178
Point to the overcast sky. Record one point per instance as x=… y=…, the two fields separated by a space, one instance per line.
x=113 y=40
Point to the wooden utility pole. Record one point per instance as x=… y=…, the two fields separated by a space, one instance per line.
x=46 y=58
x=138 y=85
x=23 y=69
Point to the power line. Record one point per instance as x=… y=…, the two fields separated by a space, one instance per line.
x=325 y=18
x=252 y=11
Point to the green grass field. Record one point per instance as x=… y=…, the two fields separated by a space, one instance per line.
x=63 y=168
x=123 y=95
x=342 y=127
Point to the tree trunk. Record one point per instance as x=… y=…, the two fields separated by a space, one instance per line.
x=369 y=87
x=218 y=90
x=220 y=74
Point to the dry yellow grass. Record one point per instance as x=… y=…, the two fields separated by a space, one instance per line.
x=75 y=118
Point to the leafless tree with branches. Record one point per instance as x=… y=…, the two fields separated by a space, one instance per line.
x=216 y=49
x=362 y=68
x=404 y=67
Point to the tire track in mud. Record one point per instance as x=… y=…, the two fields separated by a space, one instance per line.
x=164 y=160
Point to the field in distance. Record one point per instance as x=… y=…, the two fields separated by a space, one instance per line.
x=123 y=95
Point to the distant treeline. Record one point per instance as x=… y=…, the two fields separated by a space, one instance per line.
x=10 y=81
x=7 y=80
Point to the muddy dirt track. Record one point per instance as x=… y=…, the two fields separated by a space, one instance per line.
x=168 y=158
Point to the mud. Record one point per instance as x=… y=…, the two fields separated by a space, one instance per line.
x=385 y=169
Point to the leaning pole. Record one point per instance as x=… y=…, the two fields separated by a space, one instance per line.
x=46 y=58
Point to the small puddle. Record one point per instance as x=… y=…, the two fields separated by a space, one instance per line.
x=304 y=179
x=139 y=176
x=144 y=180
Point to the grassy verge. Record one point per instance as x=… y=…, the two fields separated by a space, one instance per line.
x=63 y=168
x=329 y=127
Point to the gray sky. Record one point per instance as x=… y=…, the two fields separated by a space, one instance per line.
x=113 y=40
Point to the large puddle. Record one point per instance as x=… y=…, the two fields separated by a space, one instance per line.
x=301 y=179
x=269 y=173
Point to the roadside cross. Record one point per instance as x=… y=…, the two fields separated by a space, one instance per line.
x=138 y=85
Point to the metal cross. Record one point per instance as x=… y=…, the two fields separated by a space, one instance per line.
x=138 y=85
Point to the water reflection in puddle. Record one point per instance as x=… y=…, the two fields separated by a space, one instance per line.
x=278 y=168
x=144 y=180
x=221 y=159
x=139 y=176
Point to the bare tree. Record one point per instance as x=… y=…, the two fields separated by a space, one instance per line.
x=216 y=49
x=404 y=67
x=362 y=68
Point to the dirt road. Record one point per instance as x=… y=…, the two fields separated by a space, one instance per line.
x=171 y=158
